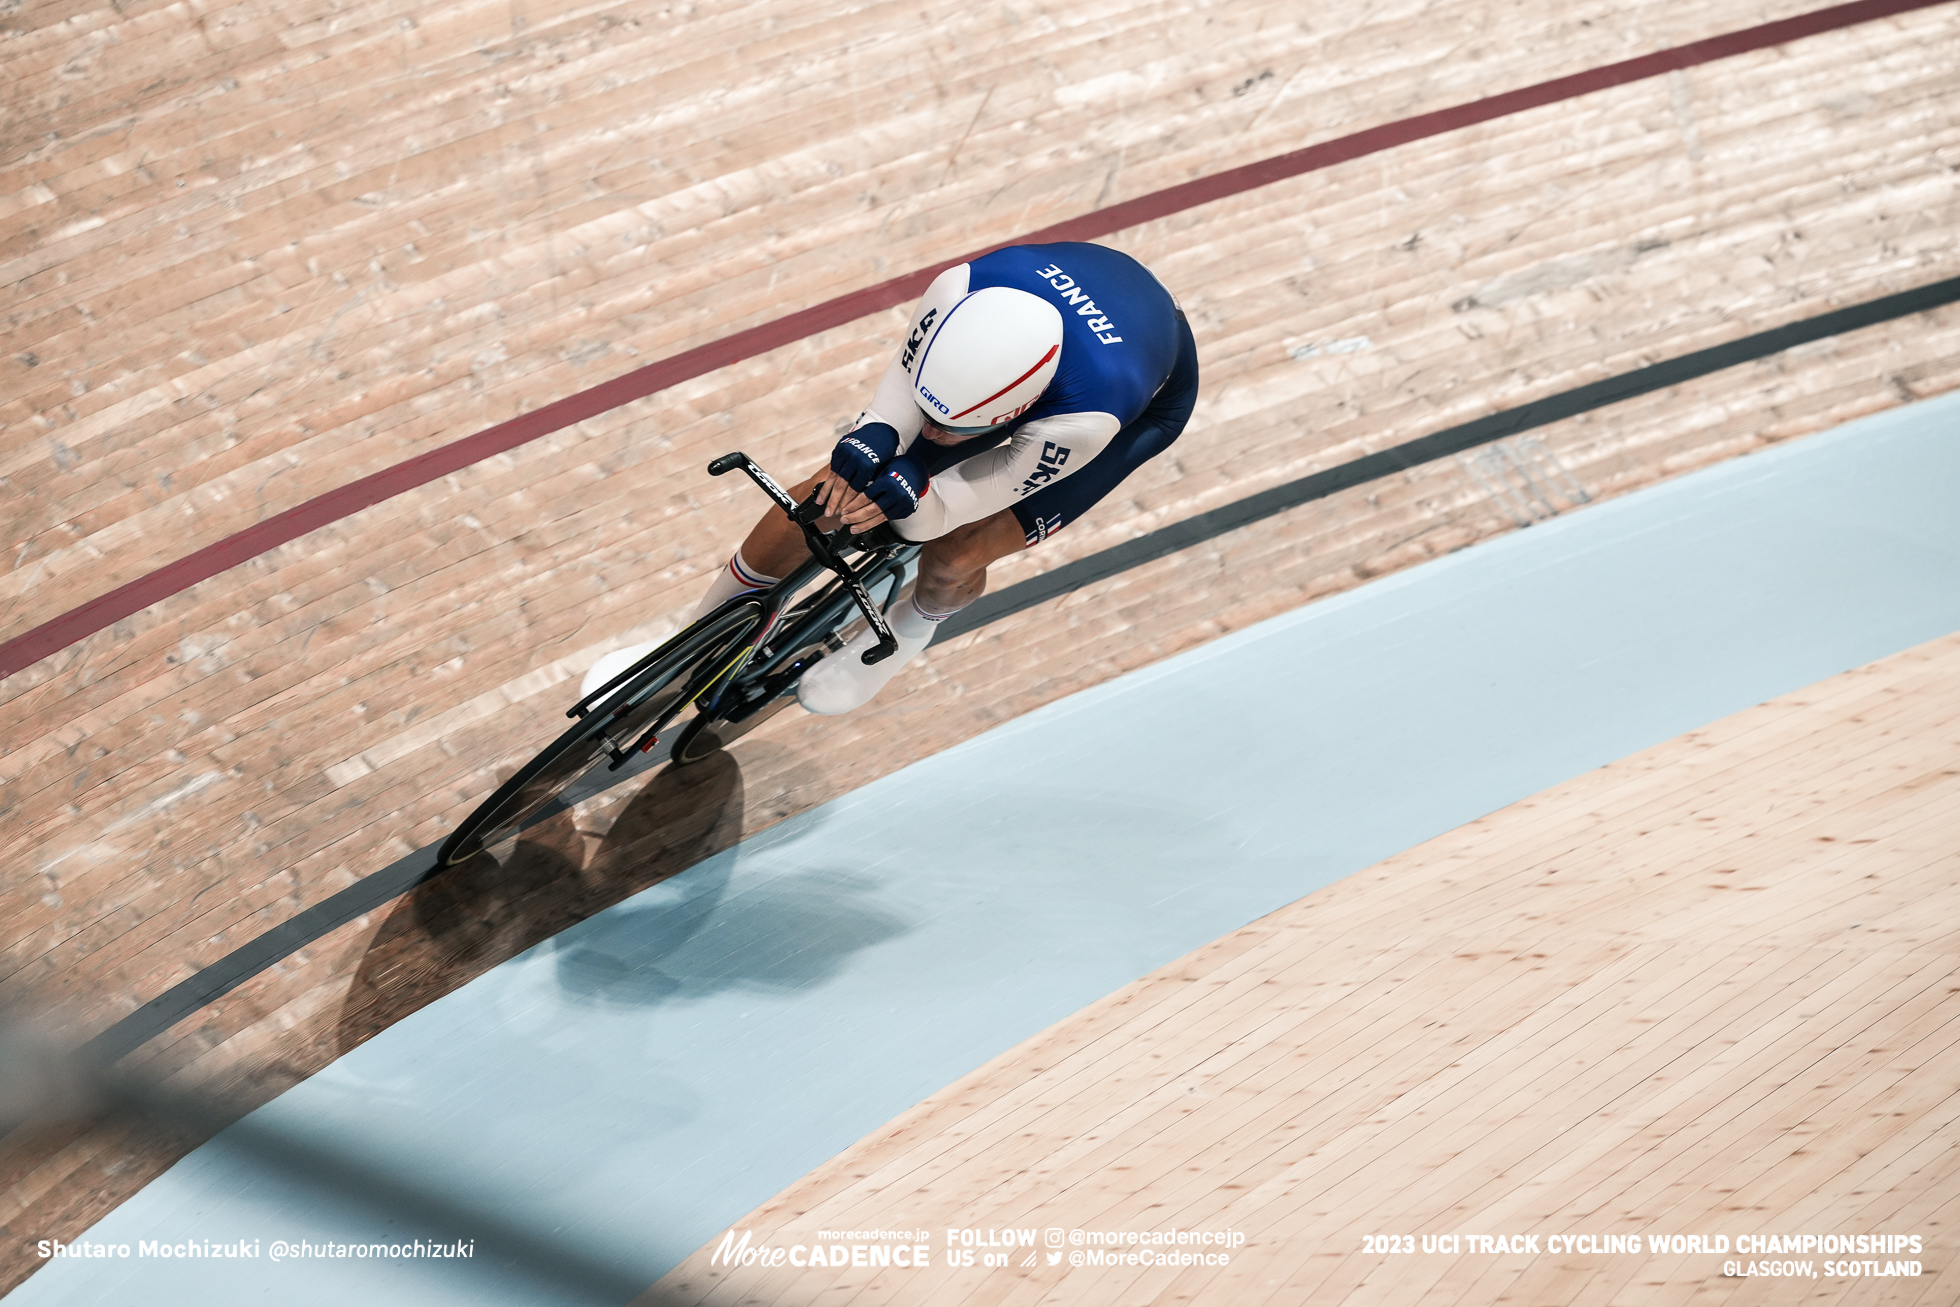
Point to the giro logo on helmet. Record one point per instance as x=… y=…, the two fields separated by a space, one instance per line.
x=988 y=358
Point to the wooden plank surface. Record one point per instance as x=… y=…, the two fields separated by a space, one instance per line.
x=1613 y=1046
x=254 y=251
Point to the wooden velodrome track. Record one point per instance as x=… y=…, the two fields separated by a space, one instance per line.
x=257 y=251
x=1707 y=990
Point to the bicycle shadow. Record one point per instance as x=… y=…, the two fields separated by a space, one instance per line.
x=689 y=939
x=457 y=926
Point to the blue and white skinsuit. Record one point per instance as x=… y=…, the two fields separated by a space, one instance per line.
x=1123 y=389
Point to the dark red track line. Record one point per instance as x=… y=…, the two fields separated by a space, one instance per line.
x=53 y=636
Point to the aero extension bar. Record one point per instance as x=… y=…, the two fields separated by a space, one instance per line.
x=823 y=547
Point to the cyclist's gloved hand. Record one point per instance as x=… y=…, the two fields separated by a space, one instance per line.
x=898 y=488
x=860 y=456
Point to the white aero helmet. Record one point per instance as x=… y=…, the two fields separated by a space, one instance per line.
x=988 y=359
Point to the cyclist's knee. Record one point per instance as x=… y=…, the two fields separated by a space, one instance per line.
x=944 y=566
x=968 y=549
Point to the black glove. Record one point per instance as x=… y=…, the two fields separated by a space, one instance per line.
x=864 y=453
x=898 y=488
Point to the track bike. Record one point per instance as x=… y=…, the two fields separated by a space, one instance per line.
x=737 y=667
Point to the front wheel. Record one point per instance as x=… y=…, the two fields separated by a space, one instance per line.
x=711 y=732
x=649 y=697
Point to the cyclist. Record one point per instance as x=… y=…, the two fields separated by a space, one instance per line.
x=1030 y=383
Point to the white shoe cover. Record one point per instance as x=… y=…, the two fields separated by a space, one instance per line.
x=842 y=682
x=612 y=665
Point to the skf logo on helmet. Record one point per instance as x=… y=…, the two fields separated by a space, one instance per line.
x=934 y=400
x=1078 y=299
x=917 y=339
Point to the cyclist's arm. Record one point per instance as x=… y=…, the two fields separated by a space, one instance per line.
x=892 y=402
x=1041 y=453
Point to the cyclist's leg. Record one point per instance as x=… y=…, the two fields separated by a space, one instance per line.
x=771 y=552
x=952 y=574
x=736 y=577
x=953 y=568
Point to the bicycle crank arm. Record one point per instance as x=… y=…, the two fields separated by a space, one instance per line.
x=777 y=684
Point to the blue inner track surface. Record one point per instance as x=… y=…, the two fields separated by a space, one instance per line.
x=650 y=1075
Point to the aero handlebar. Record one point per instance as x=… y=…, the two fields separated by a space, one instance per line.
x=824 y=547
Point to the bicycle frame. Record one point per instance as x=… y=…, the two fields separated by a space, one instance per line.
x=825 y=556
x=736 y=649
x=814 y=624
x=823 y=548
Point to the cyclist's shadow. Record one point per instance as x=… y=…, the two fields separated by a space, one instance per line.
x=462 y=923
